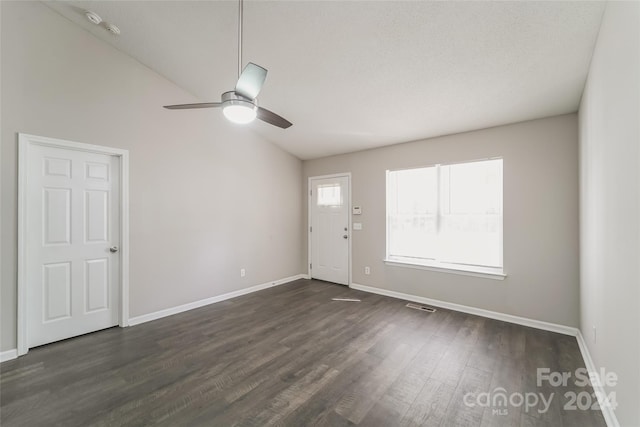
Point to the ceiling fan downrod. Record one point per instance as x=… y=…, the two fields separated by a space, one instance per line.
x=240 y=19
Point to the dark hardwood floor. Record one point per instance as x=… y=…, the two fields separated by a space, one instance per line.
x=290 y=356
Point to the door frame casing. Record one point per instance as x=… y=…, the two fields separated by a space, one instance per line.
x=25 y=141
x=349 y=226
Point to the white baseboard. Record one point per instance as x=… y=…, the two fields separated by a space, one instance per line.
x=8 y=355
x=532 y=323
x=607 y=411
x=201 y=303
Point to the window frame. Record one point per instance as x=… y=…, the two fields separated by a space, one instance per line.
x=497 y=273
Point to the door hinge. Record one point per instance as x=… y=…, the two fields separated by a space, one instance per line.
x=311 y=192
x=310 y=229
x=310 y=266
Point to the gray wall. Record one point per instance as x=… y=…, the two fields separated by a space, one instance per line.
x=610 y=205
x=540 y=217
x=207 y=197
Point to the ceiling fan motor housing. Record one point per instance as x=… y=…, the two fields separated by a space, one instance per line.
x=232 y=98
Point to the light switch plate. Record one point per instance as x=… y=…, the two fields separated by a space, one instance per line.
x=357 y=226
x=357 y=210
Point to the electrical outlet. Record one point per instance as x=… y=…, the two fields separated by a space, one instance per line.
x=242 y=272
x=367 y=270
x=595 y=336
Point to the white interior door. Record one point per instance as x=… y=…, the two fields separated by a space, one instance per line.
x=329 y=229
x=72 y=240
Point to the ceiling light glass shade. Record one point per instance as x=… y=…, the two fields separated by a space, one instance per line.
x=240 y=112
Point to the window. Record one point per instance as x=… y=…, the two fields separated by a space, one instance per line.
x=447 y=216
x=329 y=195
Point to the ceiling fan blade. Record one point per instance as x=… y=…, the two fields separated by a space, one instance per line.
x=190 y=106
x=251 y=81
x=272 y=118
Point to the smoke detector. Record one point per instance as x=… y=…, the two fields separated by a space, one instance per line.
x=93 y=17
x=112 y=29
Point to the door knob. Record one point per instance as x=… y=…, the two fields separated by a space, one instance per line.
x=113 y=249
x=345 y=237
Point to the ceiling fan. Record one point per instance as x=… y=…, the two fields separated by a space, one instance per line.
x=240 y=105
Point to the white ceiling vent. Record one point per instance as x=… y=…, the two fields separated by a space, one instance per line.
x=113 y=29
x=93 y=17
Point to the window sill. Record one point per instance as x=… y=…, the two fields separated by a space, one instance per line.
x=485 y=272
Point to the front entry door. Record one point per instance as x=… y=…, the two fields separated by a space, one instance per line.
x=329 y=229
x=72 y=238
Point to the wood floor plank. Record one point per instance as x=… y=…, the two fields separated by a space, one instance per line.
x=355 y=404
x=459 y=413
x=320 y=410
x=453 y=363
x=430 y=406
x=396 y=401
x=290 y=399
x=508 y=378
x=488 y=349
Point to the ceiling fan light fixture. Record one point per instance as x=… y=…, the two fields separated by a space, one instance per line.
x=240 y=113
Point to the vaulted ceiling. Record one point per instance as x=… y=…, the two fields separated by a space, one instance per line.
x=353 y=75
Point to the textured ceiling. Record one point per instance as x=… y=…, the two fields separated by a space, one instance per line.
x=357 y=75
